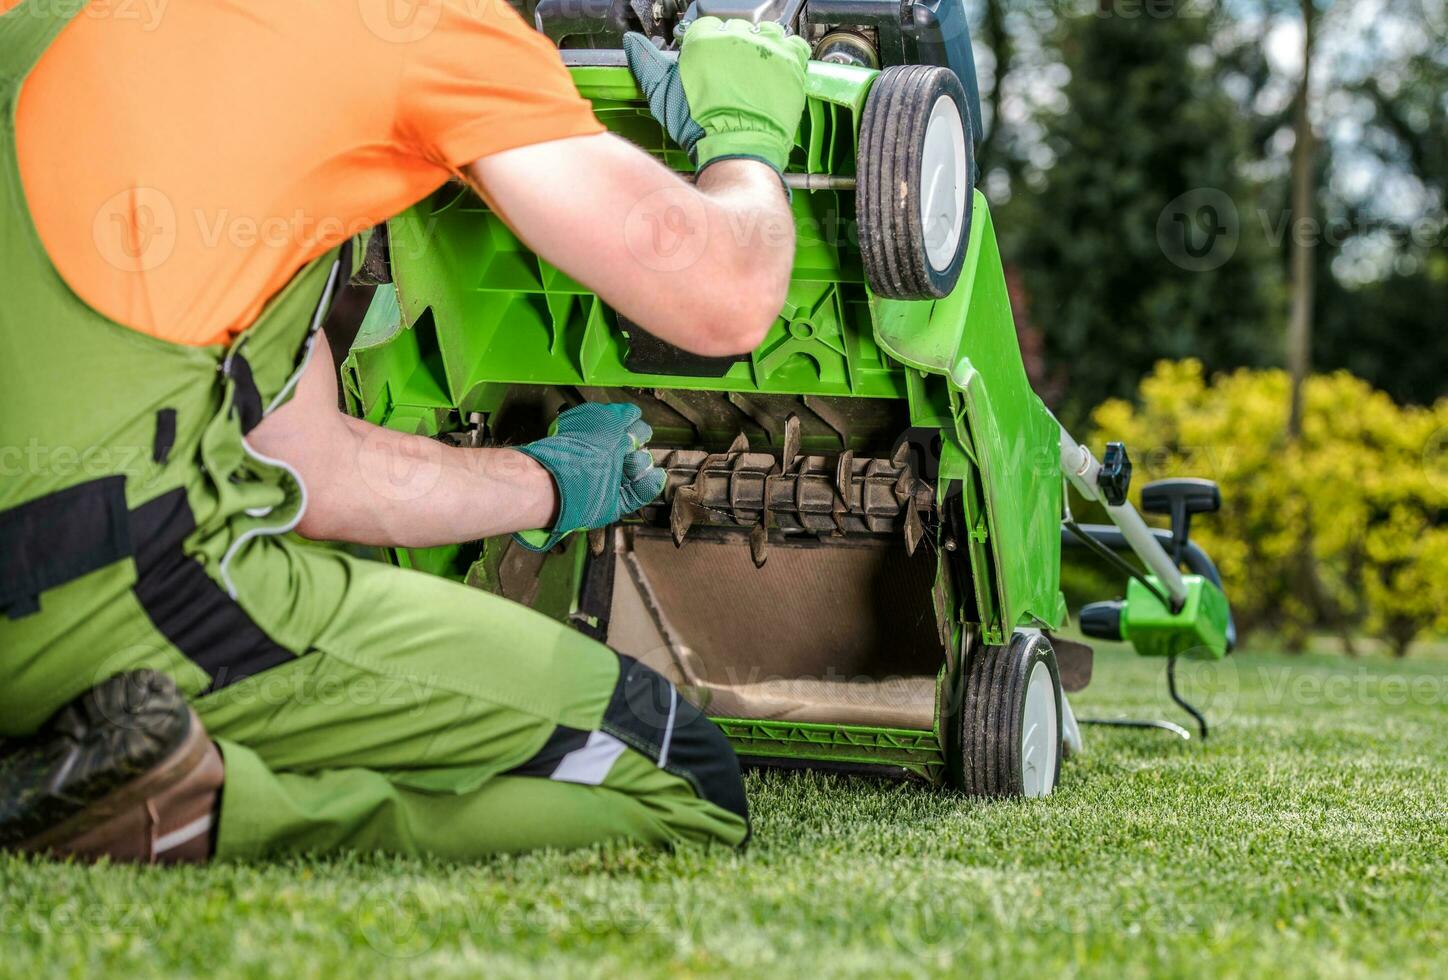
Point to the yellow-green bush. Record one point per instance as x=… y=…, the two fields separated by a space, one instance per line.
x=1364 y=492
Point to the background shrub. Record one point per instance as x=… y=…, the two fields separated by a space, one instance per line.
x=1343 y=530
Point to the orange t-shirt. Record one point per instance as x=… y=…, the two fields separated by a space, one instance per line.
x=183 y=160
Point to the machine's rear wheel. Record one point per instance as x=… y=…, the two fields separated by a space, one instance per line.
x=1008 y=724
x=913 y=193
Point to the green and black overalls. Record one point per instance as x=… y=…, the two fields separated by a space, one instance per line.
x=356 y=704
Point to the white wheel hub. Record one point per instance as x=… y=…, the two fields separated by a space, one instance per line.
x=1040 y=736
x=944 y=181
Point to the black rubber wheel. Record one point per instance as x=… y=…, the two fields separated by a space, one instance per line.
x=904 y=255
x=1007 y=740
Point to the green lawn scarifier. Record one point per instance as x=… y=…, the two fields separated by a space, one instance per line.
x=856 y=561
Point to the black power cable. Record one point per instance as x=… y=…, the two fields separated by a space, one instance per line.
x=1186 y=705
x=1178 y=730
x=1166 y=726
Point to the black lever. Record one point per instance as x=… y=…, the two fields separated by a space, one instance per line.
x=1180 y=499
x=1114 y=477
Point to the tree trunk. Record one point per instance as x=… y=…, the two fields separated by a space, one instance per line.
x=1400 y=636
x=998 y=39
x=1299 y=328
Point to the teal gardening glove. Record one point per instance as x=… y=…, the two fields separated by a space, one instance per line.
x=596 y=457
x=736 y=91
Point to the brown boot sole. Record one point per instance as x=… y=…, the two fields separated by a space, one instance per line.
x=124 y=729
x=134 y=795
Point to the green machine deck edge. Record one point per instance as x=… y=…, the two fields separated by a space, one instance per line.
x=916 y=752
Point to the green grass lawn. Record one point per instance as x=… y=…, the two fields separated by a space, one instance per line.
x=1306 y=838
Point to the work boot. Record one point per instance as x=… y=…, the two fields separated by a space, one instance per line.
x=124 y=771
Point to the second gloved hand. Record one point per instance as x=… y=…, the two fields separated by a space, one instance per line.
x=736 y=91
x=596 y=456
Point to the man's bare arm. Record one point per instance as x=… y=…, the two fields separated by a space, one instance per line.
x=371 y=485
x=702 y=266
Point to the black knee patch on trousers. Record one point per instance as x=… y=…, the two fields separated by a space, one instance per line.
x=562 y=741
x=648 y=714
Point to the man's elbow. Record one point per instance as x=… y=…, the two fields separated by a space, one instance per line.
x=738 y=321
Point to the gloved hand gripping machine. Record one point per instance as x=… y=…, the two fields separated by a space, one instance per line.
x=856 y=560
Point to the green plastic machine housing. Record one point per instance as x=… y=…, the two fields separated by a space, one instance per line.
x=473 y=313
x=1198 y=629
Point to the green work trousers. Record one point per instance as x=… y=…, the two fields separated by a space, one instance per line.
x=408 y=714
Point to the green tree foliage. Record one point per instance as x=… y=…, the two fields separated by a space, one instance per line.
x=1121 y=268
x=1389 y=330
